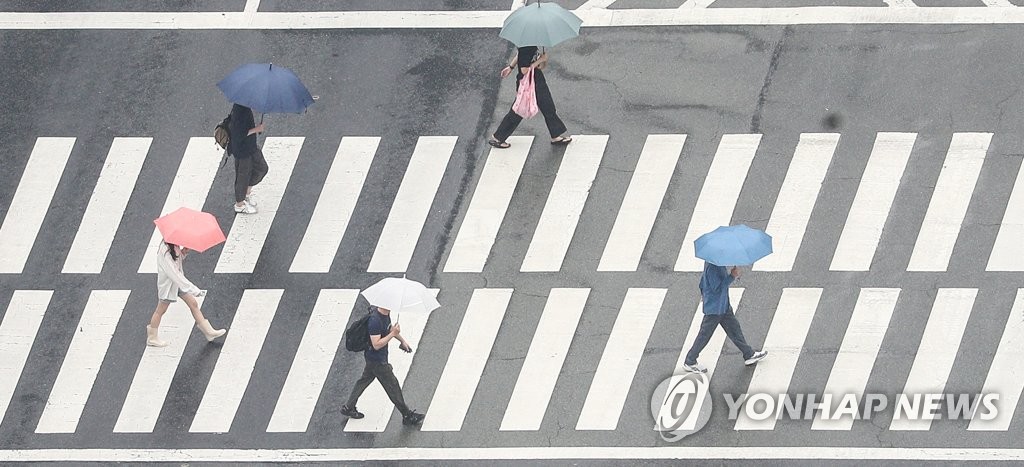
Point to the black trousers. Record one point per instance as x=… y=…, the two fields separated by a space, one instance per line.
x=249 y=171
x=547 y=108
x=384 y=373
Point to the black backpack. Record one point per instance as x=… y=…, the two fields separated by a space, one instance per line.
x=357 y=336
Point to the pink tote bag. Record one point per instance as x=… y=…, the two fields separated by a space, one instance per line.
x=526 y=97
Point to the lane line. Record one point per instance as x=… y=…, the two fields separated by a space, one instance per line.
x=1004 y=376
x=31 y=201
x=335 y=206
x=942 y=337
x=719 y=194
x=153 y=375
x=251 y=6
x=107 y=205
x=873 y=201
x=237 y=359
x=998 y=3
x=536 y=382
x=1008 y=251
x=590 y=4
x=642 y=202
x=461 y=375
x=312 y=363
x=488 y=206
x=565 y=203
x=799 y=193
x=17 y=333
x=950 y=199
x=617 y=367
x=900 y=3
x=696 y=4
x=82 y=361
x=411 y=206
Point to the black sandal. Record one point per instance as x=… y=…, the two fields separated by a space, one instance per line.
x=561 y=141
x=499 y=144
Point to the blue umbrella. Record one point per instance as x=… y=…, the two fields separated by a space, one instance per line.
x=266 y=88
x=735 y=245
x=541 y=24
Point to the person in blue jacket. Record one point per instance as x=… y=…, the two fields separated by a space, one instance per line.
x=714 y=290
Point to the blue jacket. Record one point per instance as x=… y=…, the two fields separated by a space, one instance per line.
x=714 y=289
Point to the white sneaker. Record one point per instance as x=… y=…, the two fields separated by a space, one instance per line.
x=758 y=356
x=251 y=200
x=245 y=208
x=695 y=368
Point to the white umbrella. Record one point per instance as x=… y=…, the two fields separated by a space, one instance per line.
x=401 y=294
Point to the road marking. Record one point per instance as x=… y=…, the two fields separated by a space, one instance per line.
x=312 y=362
x=155 y=371
x=335 y=206
x=31 y=201
x=107 y=205
x=82 y=361
x=252 y=6
x=543 y=363
x=792 y=211
x=784 y=341
x=937 y=351
x=412 y=204
x=237 y=359
x=998 y=3
x=1004 y=376
x=249 y=232
x=461 y=374
x=617 y=367
x=590 y=4
x=189 y=189
x=871 y=205
x=857 y=353
x=642 y=202
x=719 y=194
x=948 y=206
x=565 y=203
x=488 y=206
x=696 y=4
x=1008 y=250
x=17 y=333
x=900 y=3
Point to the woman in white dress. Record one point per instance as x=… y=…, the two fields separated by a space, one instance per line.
x=171 y=284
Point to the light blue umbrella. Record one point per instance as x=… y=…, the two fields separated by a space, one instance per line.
x=734 y=245
x=266 y=88
x=540 y=24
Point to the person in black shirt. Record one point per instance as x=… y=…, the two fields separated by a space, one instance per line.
x=528 y=58
x=250 y=166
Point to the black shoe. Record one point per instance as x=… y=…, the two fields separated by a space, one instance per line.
x=412 y=418
x=351 y=412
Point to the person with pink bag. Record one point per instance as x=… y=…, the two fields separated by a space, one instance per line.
x=530 y=78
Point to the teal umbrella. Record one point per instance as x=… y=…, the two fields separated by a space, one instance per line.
x=540 y=24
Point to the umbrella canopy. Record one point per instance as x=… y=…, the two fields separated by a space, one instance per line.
x=266 y=88
x=401 y=294
x=736 y=245
x=540 y=24
x=191 y=229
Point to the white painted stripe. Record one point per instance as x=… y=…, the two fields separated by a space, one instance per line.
x=31 y=201
x=335 y=205
x=107 y=205
x=784 y=342
x=374 y=403
x=871 y=205
x=251 y=6
x=1004 y=376
x=949 y=202
x=242 y=345
x=412 y=204
x=488 y=205
x=189 y=189
x=998 y=3
x=82 y=361
x=155 y=371
x=796 y=199
x=938 y=349
x=17 y=333
x=1008 y=250
x=900 y=3
x=621 y=357
x=590 y=4
x=249 y=231
x=719 y=194
x=642 y=203
x=565 y=203
x=555 y=331
x=466 y=362
x=313 y=360
x=696 y=4
x=857 y=353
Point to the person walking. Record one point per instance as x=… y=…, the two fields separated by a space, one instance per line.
x=171 y=283
x=714 y=290
x=528 y=58
x=250 y=165
x=377 y=367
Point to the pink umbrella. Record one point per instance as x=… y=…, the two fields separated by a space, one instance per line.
x=191 y=229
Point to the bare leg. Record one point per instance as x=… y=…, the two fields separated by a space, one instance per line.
x=161 y=308
x=193 y=305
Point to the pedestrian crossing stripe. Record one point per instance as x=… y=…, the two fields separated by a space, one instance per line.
x=807 y=176
x=258 y=312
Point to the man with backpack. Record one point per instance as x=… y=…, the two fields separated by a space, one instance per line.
x=380 y=333
x=250 y=166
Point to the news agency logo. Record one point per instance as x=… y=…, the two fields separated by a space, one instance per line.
x=681 y=405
